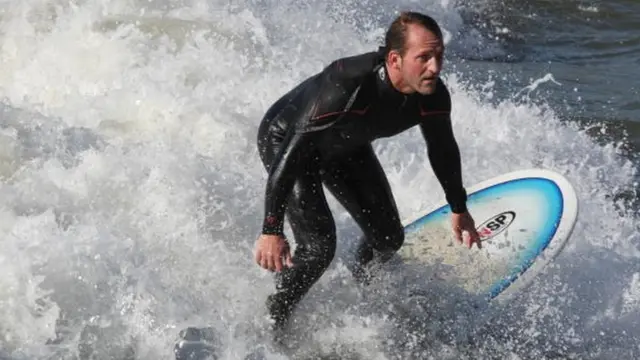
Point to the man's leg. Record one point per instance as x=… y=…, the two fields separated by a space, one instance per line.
x=313 y=228
x=361 y=186
x=315 y=235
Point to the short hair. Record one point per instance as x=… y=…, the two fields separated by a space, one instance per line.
x=396 y=36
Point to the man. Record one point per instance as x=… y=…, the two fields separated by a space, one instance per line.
x=321 y=133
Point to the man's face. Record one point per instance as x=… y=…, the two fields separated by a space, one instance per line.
x=421 y=64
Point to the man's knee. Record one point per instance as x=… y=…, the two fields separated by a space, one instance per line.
x=319 y=250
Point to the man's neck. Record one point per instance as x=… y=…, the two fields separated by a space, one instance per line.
x=396 y=80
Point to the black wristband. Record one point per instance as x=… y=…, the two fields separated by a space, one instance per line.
x=271 y=226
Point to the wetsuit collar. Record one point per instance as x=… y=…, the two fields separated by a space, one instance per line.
x=386 y=90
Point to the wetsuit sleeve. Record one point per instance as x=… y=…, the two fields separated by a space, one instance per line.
x=294 y=151
x=444 y=156
x=282 y=175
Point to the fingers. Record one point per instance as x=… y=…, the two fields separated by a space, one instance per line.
x=472 y=238
x=274 y=262
x=476 y=238
x=273 y=255
x=458 y=234
x=271 y=261
x=467 y=240
x=465 y=231
x=287 y=258
x=277 y=260
x=264 y=262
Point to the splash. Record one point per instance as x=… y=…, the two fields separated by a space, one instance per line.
x=132 y=189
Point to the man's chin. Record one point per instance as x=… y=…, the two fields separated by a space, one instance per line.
x=426 y=89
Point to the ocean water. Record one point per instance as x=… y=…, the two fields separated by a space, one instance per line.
x=132 y=191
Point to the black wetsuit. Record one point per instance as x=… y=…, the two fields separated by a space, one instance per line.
x=321 y=133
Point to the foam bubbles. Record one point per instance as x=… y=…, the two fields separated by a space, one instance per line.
x=132 y=190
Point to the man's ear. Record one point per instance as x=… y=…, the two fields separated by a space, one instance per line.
x=394 y=60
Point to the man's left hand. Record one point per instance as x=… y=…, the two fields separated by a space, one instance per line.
x=461 y=223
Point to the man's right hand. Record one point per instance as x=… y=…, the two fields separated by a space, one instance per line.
x=272 y=252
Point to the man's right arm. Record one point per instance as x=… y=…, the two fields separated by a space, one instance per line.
x=282 y=175
x=293 y=154
x=321 y=104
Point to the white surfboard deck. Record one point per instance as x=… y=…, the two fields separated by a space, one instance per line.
x=524 y=219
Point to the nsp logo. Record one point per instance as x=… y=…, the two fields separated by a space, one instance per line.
x=495 y=225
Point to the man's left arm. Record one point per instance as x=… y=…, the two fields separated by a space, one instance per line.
x=444 y=156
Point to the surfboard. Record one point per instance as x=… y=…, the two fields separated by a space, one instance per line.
x=524 y=219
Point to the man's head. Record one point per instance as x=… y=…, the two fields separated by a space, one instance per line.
x=414 y=51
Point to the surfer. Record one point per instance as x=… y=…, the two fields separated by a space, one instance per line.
x=321 y=133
